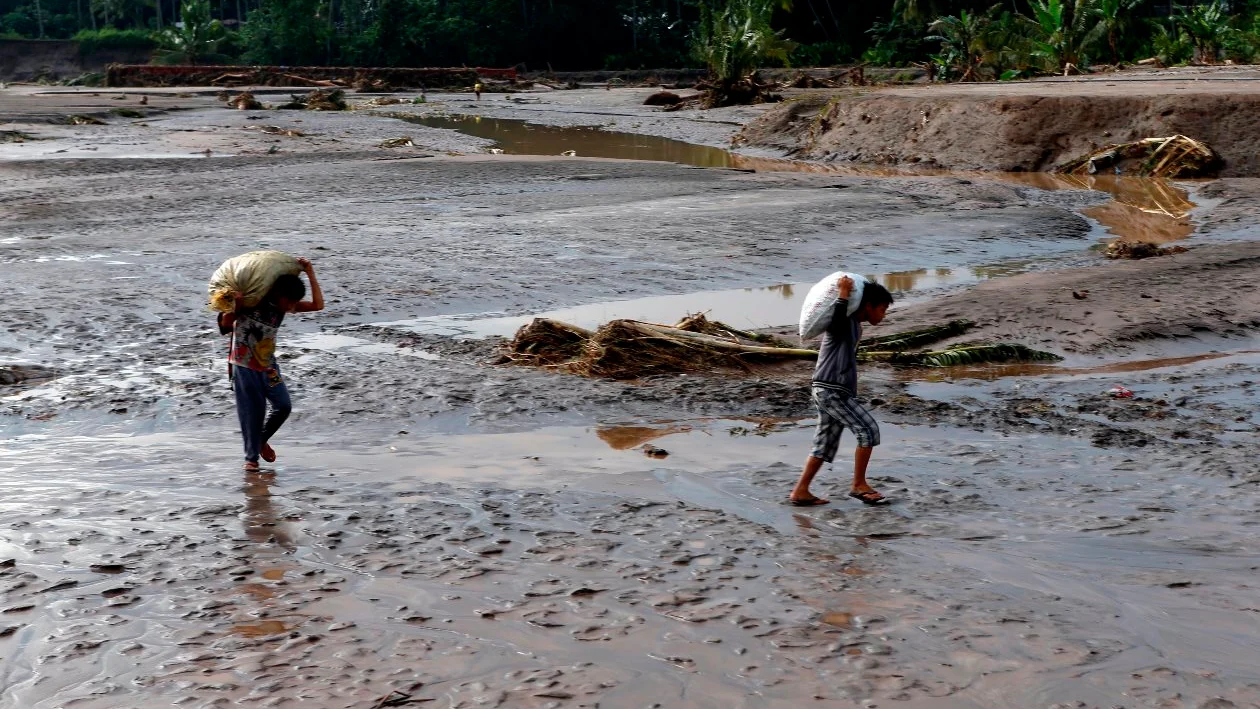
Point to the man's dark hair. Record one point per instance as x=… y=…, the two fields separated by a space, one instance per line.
x=875 y=295
x=287 y=286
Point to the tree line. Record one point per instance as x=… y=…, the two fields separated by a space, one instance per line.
x=953 y=39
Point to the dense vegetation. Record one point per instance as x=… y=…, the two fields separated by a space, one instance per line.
x=954 y=39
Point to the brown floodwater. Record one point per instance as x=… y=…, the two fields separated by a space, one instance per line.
x=1141 y=208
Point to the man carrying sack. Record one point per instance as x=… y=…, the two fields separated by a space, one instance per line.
x=835 y=392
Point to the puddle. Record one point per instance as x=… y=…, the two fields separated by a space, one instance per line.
x=747 y=308
x=344 y=344
x=516 y=137
x=1141 y=208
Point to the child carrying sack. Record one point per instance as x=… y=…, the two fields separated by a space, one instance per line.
x=820 y=303
x=252 y=275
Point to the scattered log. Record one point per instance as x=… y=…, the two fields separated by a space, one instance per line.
x=630 y=349
x=961 y=355
x=912 y=339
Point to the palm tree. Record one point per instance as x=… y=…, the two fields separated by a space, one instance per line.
x=1208 y=28
x=1114 y=16
x=962 y=41
x=733 y=42
x=1063 y=31
x=195 y=37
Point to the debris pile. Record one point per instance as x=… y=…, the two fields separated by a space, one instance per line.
x=1172 y=157
x=382 y=79
x=403 y=142
x=379 y=101
x=244 y=101
x=317 y=100
x=630 y=349
x=1140 y=249
x=663 y=98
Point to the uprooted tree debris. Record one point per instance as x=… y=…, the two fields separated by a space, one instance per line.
x=628 y=349
x=317 y=100
x=1140 y=249
x=1172 y=157
x=364 y=78
x=244 y=101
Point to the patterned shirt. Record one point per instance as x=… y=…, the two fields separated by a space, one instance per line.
x=254 y=337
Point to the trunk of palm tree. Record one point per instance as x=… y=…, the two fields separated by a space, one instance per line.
x=240 y=17
x=158 y=5
x=39 y=18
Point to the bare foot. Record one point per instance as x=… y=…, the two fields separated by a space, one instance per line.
x=268 y=453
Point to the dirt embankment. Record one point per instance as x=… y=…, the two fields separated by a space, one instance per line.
x=1026 y=127
x=1204 y=293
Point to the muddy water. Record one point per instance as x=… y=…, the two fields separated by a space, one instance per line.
x=563 y=566
x=1140 y=209
x=747 y=308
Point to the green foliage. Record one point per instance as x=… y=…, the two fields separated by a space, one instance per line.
x=110 y=39
x=1169 y=44
x=1207 y=27
x=821 y=54
x=963 y=47
x=287 y=32
x=737 y=39
x=1063 y=31
x=897 y=42
x=196 y=40
x=1115 y=17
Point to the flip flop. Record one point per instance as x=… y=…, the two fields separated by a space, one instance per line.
x=251 y=467
x=871 y=498
x=811 y=502
x=268 y=453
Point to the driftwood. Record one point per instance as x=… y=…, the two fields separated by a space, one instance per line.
x=628 y=349
x=962 y=354
x=1140 y=249
x=912 y=339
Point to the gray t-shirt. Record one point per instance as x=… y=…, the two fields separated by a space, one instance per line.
x=837 y=357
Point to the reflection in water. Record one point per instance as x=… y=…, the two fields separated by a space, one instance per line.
x=517 y=137
x=747 y=308
x=261 y=523
x=1147 y=209
x=785 y=290
x=1142 y=208
x=626 y=437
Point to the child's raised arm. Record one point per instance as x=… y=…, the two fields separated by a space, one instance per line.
x=316 y=303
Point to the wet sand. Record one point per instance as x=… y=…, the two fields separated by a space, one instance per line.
x=442 y=529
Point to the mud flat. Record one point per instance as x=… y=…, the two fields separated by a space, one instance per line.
x=1026 y=126
x=451 y=533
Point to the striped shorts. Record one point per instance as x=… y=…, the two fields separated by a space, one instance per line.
x=836 y=410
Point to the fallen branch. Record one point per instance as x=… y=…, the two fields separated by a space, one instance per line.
x=912 y=339
x=1171 y=157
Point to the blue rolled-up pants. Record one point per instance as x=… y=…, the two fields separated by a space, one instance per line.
x=253 y=390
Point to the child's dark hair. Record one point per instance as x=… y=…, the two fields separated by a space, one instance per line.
x=875 y=295
x=287 y=286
